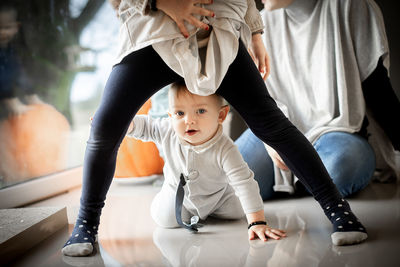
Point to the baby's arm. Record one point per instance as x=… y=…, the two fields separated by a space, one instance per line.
x=145 y=128
x=241 y=178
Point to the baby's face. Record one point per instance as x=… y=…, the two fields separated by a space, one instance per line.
x=276 y=4
x=8 y=27
x=195 y=118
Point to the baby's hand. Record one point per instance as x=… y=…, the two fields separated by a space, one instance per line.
x=264 y=232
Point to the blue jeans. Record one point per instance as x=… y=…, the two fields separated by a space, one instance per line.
x=349 y=159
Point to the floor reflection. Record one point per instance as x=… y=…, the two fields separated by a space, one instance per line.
x=214 y=246
x=128 y=237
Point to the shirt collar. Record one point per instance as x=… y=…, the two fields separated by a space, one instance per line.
x=206 y=145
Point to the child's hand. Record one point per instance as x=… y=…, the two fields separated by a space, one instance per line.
x=264 y=232
x=259 y=55
x=182 y=11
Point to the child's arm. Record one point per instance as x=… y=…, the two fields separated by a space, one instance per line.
x=257 y=49
x=145 y=128
x=241 y=178
x=260 y=230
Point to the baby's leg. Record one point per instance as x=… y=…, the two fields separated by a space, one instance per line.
x=163 y=208
x=245 y=90
x=130 y=84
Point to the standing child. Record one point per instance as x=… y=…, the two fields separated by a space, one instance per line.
x=212 y=57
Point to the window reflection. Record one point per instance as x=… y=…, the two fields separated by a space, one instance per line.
x=55 y=56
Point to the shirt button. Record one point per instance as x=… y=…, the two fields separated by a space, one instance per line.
x=193 y=174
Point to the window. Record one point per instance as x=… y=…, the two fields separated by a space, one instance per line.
x=55 y=57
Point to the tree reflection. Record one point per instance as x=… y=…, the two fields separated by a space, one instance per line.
x=40 y=57
x=51 y=46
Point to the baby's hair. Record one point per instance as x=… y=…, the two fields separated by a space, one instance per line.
x=180 y=87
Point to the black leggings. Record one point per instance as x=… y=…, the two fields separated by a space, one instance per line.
x=141 y=74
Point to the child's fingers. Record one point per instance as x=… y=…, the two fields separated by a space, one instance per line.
x=203 y=11
x=262 y=236
x=258 y=232
x=271 y=234
x=251 y=235
x=192 y=20
x=279 y=232
x=265 y=68
x=183 y=29
x=268 y=67
x=252 y=56
x=261 y=67
x=203 y=1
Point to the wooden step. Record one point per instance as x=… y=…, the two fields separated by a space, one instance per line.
x=23 y=228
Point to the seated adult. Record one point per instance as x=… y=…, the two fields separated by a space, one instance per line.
x=329 y=64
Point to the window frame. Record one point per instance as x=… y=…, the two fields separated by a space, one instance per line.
x=40 y=188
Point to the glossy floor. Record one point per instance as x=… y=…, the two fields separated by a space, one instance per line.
x=128 y=236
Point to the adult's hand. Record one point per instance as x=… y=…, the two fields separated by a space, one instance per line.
x=276 y=158
x=182 y=11
x=259 y=55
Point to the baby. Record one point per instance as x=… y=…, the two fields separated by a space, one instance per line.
x=203 y=168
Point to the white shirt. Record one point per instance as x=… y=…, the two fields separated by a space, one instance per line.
x=213 y=169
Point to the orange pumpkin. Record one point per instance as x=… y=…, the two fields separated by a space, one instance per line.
x=33 y=144
x=136 y=158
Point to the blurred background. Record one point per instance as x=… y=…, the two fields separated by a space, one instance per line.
x=55 y=58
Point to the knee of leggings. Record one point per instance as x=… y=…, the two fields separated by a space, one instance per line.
x=275 y=133
x=103 y=140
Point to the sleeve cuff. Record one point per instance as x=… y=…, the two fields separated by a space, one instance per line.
x=138 y=127
x=253 y=18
